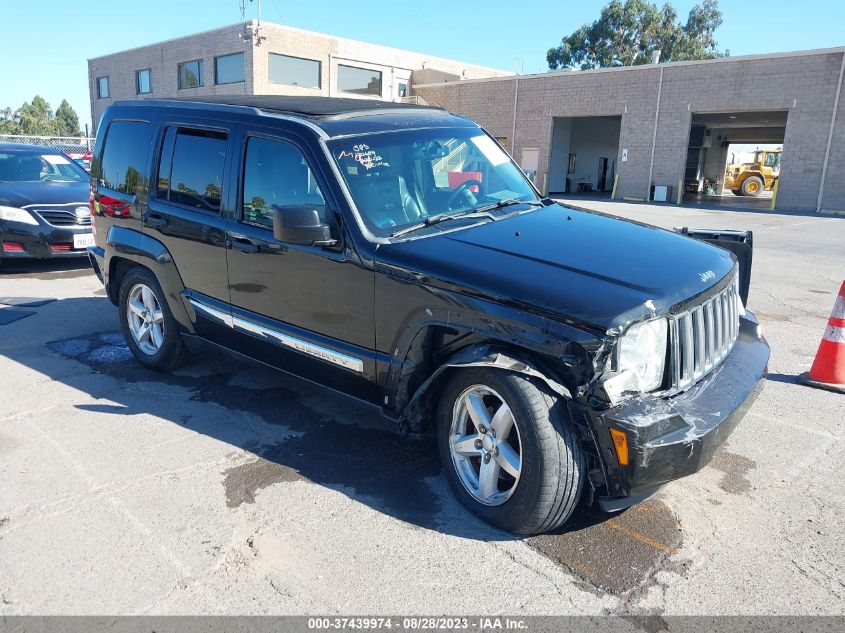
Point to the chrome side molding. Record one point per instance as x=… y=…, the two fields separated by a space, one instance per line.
x=304 y=347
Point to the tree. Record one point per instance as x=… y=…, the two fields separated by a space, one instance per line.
x=37 y=119
x=7 y=121
x=67 y=119
x=629 y=33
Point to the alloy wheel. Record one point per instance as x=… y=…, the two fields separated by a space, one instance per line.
x=146 y=319
x=485 y=445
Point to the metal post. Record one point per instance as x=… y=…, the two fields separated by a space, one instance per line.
x=513 y=129
x=830 y=135
x=654 y=136
x=774 y=195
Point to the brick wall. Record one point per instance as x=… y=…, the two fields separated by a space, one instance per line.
x=394 y=64
x=834 y=188
x=804 y=85
x=163 y=58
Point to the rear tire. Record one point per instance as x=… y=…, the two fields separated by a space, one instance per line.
x=147 y=323
x=752 y=186
x=538 y=463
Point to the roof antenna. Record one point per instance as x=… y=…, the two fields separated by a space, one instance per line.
x=252 y=33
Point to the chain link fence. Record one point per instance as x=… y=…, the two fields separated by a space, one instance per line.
x=77 y=148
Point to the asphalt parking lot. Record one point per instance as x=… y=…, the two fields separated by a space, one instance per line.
x=227 y=488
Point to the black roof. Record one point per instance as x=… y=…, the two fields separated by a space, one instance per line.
x=335 y=116
x=311 y=107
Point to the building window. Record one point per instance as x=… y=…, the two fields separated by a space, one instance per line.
x=294 y=71
x=190 y=74
x=361 y=81
x=402 y=90
x=143 y=81
x=229 y=69
x=102 y=87
x=190 y=170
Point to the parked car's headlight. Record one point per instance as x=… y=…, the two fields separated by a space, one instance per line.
x=12 y=214
x=640 y=361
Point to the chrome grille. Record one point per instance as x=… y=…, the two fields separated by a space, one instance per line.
x=704 y=335
x=63 y=217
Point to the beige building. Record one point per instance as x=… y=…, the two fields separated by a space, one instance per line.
x=266 y=58
x=669 y=125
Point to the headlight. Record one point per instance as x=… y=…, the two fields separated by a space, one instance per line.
x=641 y=357
x=12 y=214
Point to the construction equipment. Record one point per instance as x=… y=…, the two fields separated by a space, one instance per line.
x=750 y=179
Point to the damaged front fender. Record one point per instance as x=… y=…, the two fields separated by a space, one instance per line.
x=412 y=421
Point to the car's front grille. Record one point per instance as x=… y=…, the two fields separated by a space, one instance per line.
x=63 y=217
x=703 y=335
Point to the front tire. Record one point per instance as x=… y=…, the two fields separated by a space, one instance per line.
x=147 y=323
x=509 y=450
x=752 y=186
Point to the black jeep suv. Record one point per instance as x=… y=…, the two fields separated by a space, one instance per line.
x=398 y=255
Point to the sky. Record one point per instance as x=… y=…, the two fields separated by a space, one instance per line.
x=52 y=41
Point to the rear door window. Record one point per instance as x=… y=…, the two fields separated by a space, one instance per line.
x=191 y=168
x=124 y=157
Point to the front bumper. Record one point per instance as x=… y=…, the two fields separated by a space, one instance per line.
x=42 y=241
x=670 y=438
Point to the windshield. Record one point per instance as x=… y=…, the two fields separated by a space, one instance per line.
x=400 y=179
x=30 y=166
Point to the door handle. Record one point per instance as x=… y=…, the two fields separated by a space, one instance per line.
x=244 y=245
x=155 y=220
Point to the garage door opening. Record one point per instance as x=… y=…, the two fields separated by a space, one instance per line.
x=734 y=158
x=583 y=155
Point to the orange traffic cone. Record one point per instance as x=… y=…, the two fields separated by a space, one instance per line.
x=828 y=370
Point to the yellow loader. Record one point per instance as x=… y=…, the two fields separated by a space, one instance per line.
x=749 y=179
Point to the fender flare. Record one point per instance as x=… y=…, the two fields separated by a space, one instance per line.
x=142 y=249
x=411 y=422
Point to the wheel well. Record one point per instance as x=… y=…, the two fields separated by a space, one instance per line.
x=425 y=371
x=118 y=267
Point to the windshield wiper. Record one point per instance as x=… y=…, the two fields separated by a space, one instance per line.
x=508 y=202
x=437 y=219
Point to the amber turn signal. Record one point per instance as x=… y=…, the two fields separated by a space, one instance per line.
x=620 y=443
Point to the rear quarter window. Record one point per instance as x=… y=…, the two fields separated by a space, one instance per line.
x=123 y=161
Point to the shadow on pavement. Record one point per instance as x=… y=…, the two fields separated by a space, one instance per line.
x=314 y=435
x=59 y=268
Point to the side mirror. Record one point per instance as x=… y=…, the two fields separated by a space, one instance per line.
x=301 y=224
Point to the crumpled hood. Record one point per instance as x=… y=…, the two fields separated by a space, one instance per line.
x=21 y=194
x=587 y=267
